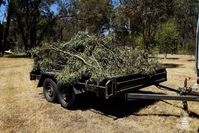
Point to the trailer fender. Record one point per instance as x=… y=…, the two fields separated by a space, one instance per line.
x=42 y=79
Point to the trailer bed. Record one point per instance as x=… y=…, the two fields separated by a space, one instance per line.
x=126 y=84
x=111 y=87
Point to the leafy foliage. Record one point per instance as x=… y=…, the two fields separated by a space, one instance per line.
x=93 y=59
x=94 y=15
x=168 y=37
x=134 y=22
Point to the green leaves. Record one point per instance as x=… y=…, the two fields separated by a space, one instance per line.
x=93 y=59
x=93 y=14
x=168 y=37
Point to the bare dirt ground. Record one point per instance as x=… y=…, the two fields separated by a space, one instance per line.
x=23 y=108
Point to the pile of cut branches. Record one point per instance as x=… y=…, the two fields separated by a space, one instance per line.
x=92 y=58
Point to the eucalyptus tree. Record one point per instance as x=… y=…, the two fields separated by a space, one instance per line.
x=142 y=17
x=94 y=16
x=186 y=16
x=6 y=26
x=33 y=19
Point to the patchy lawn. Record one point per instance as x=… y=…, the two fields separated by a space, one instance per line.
x=24 y=109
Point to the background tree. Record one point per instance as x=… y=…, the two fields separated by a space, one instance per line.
x=185 y=19
x=1 y=32
x=1 y=38
x=167 y=38
x=133 y=22
x=94 y=16
x=142 y=17
x=33 y=19
x=68 y=22
x=5 y=28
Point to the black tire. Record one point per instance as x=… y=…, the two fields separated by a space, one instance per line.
x=50 y=90
x=67 y=97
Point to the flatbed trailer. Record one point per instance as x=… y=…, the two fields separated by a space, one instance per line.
x=127 y=86
x=113 y=87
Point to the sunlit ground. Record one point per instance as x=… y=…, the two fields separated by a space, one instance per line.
x=24 y=109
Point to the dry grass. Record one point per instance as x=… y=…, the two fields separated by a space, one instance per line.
x=23 y=108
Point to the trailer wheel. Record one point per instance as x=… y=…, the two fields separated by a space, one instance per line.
x=50 y=90
x=67 y=97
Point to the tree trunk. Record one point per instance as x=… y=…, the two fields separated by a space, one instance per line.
x=6 y=32
x=165 y=51
x=22 y=32
x=129 y=26
x=33 y=33
x=44 y=30
x=61 y=34
x=146 y=40
x=146 y=35
x=1 y=39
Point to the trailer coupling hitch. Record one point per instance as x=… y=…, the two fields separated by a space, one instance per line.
x=187 y=93
x=188 y=90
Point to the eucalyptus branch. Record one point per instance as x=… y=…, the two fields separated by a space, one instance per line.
x=72 y=55
x=97 y=63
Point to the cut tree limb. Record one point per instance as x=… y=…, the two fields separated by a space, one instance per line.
x=73 y=55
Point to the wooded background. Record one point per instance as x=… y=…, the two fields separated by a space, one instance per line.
x=163 y=26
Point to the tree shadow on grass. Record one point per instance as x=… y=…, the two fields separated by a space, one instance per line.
x=191 y=60
x=161 y=115
x=193 y=114
x=17 y=56
x=171 y=65
x=169 y=58
x=190 y=113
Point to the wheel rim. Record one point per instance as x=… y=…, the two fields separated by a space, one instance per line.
x=66 y=96
x=49 y=90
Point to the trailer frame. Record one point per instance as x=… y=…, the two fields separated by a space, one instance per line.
x=128 y=86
